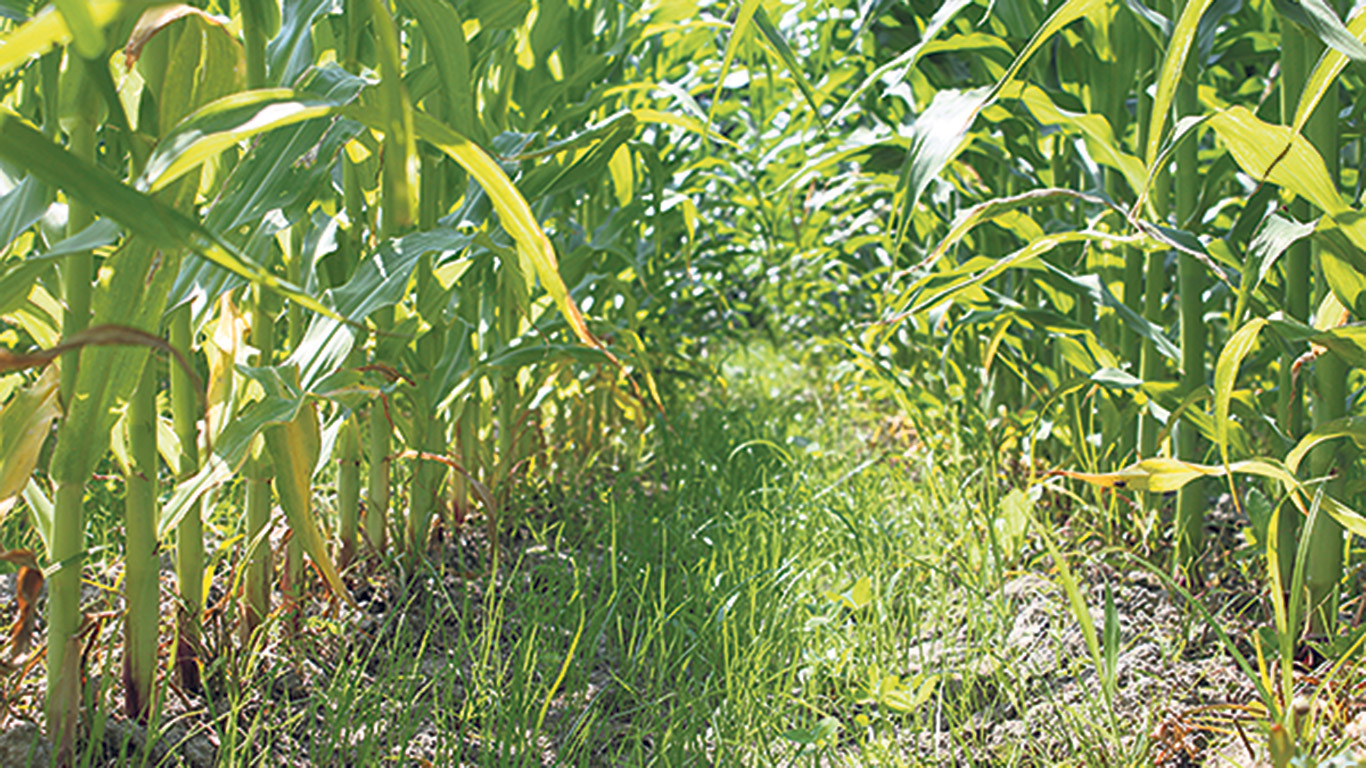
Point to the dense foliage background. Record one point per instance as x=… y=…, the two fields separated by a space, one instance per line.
x=392 y=268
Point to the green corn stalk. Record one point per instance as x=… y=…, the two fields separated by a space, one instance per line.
x=1155 y=281
x=1191 y=501
x=291 y=580
x=258 y=471
x=257 y=16
x=142 y=588
x=1324 y=571
x=189 y=560
x=1295 y=64
x=348 y=491
x=68 y=523
x=377 y=488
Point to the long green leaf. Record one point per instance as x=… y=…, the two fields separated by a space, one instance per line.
x=1277 y=154
x=221 y=124
x=1331 y=65
x=789 y=59
x=1353 y=427
x=1173 y=64
x=139 y=213
x=513 y=212
x=906 y=60
x=1226 y=373
x=1323 y=22
x=444 y=31
x=400 y=160
x=941 y=130
x=738 y=31
x=295 y=447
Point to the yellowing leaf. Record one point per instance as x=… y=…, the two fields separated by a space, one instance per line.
x=1277 y=154
x=294 y=447
x=25 y=424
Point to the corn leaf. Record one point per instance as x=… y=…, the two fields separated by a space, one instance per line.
x=1325 y=73
x=37 y=36
x=775 y=38
x=20 y=208
x=940 y=132
x=225 y=122
x=1347 y=342
x=25 y=423
x=513 y=213
x=1343 y=257
x=294 y=447
x=1277 y=154
x=1353 y=427
x=442 y=27
x=1226 y=373
x=290 y=53
x=400 y=159
x=738 y=31
x=139 y=213
x=1173 y=64
x=1323 y=23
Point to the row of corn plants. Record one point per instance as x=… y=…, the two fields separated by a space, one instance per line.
x=432 y=244
x=1122 y=241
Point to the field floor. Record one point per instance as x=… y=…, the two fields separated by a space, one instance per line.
x=784 y=579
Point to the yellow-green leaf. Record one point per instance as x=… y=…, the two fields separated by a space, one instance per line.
x=1277 y=154
x=513 y=212
x=25 y=424
x=294 y=448
x=88 y=34
x=1226 y=373
x=1172 y=66
x=48 y=29
x=1325 y=72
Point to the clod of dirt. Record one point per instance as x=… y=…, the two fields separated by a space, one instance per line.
x=23 y=745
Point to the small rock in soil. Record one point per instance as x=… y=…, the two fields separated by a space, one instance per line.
x=23 y=745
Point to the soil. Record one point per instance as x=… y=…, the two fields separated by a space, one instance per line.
x=1036 y=698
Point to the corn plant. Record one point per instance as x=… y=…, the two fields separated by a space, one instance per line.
x=194 y=156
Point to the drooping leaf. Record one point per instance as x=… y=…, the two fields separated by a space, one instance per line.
x=1343 y=257
x=1329 y=66
x=513 y=213
x=904 y=61
x=294 y=448
x=1226 y=373
x=222 y=123
x=739 y=30
x=1353 y=427
x=1348 y=342
x=1094 y=129
x=1277 y=154
x=17 y=276
x=290 y=53
x=1322 y=22
x=139 y=213
x=775 y=38
x=20 y=208
x=1173 y=66
x=1275 y=235
x=444 y=30
x=941 y=130
x=25 y=423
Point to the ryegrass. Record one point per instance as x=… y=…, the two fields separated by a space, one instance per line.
x=787 y=580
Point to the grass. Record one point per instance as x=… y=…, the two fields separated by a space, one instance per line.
x=793 y=577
